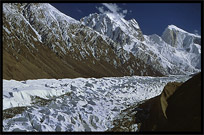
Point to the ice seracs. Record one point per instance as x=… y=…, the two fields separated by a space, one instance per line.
x=81 y=104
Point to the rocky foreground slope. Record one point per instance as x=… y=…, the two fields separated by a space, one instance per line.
x=37 y=37
x=178 y=108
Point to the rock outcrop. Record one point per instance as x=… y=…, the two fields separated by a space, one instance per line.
x=178 y=108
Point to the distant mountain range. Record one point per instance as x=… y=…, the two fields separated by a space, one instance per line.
x=41 y=42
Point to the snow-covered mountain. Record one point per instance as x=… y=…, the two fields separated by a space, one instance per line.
x=158 y=52
x=115 y=27
x=181 y=39
x=36 y=36
x=186 y=42
x=39 y=37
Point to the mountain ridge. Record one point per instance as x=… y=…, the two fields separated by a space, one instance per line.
x=85 y=51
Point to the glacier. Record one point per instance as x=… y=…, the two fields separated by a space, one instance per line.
x=81 y=104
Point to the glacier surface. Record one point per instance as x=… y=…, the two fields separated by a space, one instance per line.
x=81 y=104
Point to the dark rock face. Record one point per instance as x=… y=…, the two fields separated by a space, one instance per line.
x=184 y=109
x=178 y=108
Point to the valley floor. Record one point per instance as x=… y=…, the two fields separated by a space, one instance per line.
x=81 y=104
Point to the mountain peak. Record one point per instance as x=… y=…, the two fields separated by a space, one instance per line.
x=113 y=16
x=173 y=27
x=181 y=39
x=134 y=22
x=114 y=26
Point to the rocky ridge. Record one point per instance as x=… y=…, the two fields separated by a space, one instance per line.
x=38 y=37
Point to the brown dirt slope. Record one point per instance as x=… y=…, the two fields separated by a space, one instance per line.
x=178 y=108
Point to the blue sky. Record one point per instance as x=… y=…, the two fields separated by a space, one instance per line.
x=153 y=18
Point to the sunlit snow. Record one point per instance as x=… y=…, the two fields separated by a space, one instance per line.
x=77 y=104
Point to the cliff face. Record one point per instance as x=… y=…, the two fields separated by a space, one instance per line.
x=178 y=108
